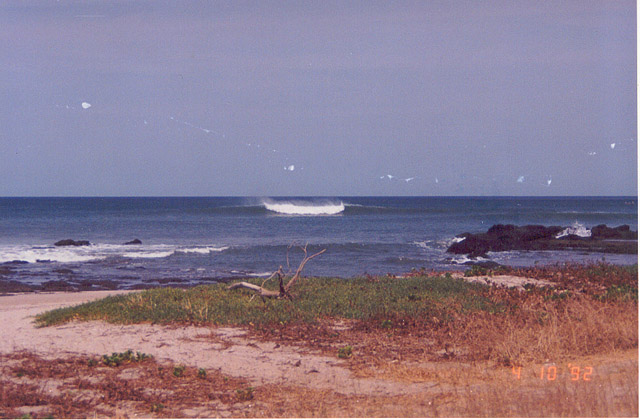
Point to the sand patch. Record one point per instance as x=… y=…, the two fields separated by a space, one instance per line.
x=504 y=280
x=226 y=349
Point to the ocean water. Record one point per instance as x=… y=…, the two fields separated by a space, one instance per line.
x=201 y=240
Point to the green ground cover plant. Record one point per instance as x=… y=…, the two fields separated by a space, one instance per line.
x=383 y=299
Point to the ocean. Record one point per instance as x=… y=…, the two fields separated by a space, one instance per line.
x=196 y=240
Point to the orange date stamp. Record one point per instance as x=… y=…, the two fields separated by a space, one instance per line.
x=551 y=373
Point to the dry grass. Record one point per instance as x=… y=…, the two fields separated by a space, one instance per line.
x=538 y=328
x=70 y=388
x=75 y=388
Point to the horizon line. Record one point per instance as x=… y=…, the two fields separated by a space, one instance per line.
x=320 y=196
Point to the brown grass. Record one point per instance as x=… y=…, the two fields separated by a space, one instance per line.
x=73 y=388
x=538 y=328
x=69 y=388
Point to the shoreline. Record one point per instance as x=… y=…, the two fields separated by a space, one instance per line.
x=14 y=287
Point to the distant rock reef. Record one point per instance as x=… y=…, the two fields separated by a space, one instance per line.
x=616 y=240
x=71 y=242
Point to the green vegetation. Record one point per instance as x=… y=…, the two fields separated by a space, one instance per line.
x=345 y=352
x=383 y=299
x=156 y=407
x=116 y=359
x=178 y=371
x=245 y=394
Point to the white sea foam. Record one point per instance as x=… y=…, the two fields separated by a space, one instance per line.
x=95 y=252
x=304 y=208
x=148 y=254
x=250 y=274
x=32 y=255
x=202 y=250
x=422 y=244
x=577 y=229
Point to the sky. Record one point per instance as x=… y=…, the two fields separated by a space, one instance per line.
x=308 y=98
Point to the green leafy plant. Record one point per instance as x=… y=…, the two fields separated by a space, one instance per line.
x=202 y=373
x=156 y=407
x=116 y=359
x=345 y=352
x=245 y=394
x=477 y=270
x=178 y=371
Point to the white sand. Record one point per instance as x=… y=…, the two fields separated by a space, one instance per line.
x=504 y=280
x=226 y=349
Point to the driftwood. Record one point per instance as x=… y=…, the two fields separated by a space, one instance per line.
x=284 y=288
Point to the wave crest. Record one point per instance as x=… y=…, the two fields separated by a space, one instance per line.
x=304 y=208
x=577 y=229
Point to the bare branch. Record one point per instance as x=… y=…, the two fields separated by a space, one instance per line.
x=299 y=270
x=270 y=277
x=284 y=289
x=261 y=291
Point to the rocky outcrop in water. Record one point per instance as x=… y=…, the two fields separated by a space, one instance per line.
x=71 y=242
x=619 y=240
x=622 y=232
x=134 y=242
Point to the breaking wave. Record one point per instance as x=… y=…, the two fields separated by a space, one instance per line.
x=577 y=229
x=301 y=208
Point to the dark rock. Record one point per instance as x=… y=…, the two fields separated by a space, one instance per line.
x=15 y=262
x=15 y=287
x=134 y=242
x=71 y=242
x=490 y=265
x=98 y=285
x=502 y=238
x=57 y=286
x=537 y=237
x=620 y=232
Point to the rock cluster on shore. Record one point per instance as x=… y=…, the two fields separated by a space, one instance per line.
x=618 y=240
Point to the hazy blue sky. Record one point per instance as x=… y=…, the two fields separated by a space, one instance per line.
x=318 y=98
